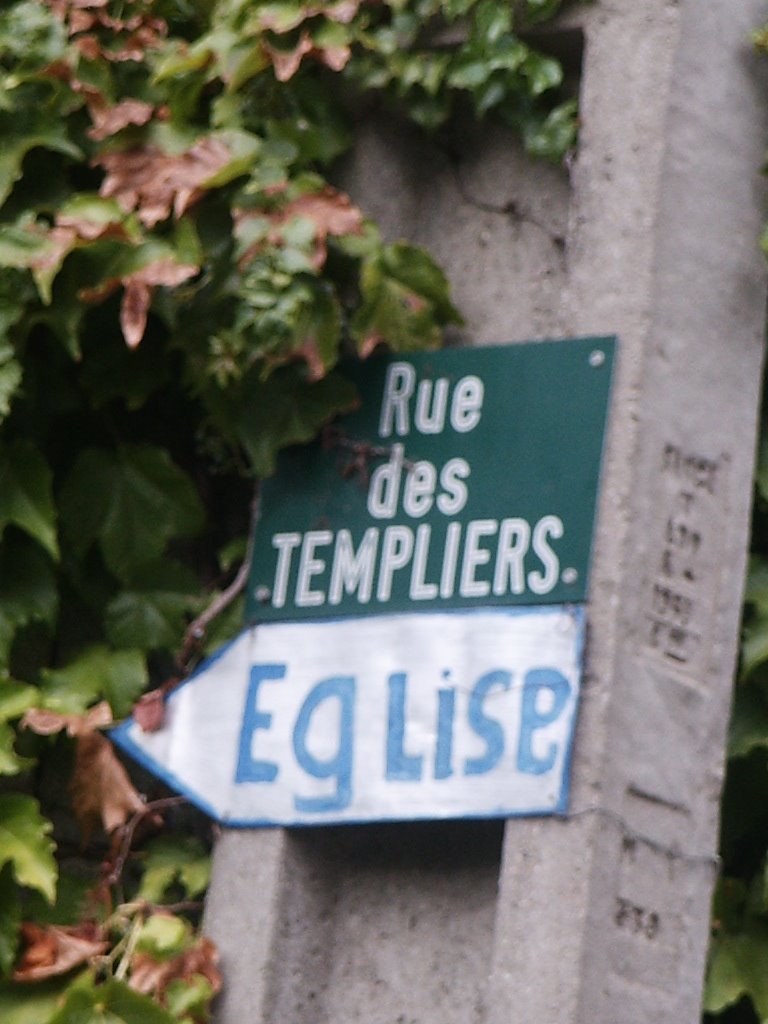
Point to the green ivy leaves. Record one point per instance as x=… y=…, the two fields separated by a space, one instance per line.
x=110 y=1003
x=178 y=282
x=172 y=863
x=97 y=673
x=26 y=498
x=25 y=843
x=15 y=699
x=130 y=503
x=403 y=56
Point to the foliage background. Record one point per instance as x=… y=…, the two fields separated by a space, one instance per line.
x=178 y=280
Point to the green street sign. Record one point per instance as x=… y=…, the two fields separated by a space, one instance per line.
x=466 y=478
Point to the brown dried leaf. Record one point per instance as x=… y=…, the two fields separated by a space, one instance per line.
x=153 y=183
x=287 y=62
x=138 y=294
x=101 y=791
x=334 y=57
x=81 y=21
x=46 y=723
x=149 y=711
x=66 y=235
x=95 y=100
x=56 y=949
x=164 y=272
x=152 y=977
x=61 y=241
x=310 y=353
x=99 y=35
x=331 y=212
x=343 y=12
x=67 y=8
x=89 y=47
x=134 y=309
x=111 y=120
x=91 y=230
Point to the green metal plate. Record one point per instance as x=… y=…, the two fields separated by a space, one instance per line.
x=467 y=478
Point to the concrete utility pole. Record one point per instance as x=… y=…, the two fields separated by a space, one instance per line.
x=601 y=917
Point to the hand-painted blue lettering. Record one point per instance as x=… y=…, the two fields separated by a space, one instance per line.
x=487 y=728
x=532 y=719
x=446 y=707
x=400 y=766
x=249 y=769
x=339 y=766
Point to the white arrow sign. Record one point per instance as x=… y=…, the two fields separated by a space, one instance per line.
x=396 y=717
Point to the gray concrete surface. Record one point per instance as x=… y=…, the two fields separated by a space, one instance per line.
x=600 y=918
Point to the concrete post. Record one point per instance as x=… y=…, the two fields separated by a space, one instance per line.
x=600 y=917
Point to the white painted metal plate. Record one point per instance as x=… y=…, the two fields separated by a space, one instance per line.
x=390 y=718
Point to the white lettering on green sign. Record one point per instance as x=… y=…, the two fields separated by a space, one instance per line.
x=464 y=478
x=369 y=569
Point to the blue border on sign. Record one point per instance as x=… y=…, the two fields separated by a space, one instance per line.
x=121 y=737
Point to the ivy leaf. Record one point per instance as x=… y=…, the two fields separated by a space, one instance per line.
x=155 y=974
x=754 y=648
x=30 y=1004
x=151 y=613
x=174 y=860
x=57 y=949
x=539 y=10
x=27 y=584
x=48 y=134
x=542 y=73
x=749 y=718
x=45 y=722
x=118 y=676
x=24 y=843
x=287 y=409
x=155 y=183
x=26 y=500
x=132 y=502
x=413 y=267
x=10 y=919
x=189 y=997
x=554 y=136
x=405 y=301
x=10 y=378
x=757 y=583
x=11 y=763
x=27 y=590
x=163 y=935
x=15 y=699
x=739 y=967
x=102 y=793
x=111 y=1003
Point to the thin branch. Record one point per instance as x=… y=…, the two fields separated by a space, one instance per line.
x=180 y=907
x=129 y=828
x=362 y=453
x=130 y=946
x=196 y=630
